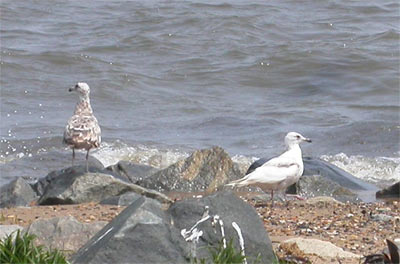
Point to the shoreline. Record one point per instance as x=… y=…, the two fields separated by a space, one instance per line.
x=332 y=214
x=360 y=228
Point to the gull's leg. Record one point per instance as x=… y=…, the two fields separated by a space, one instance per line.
x=272 y=198
x=73 y=156
x=285 y=198
x=87 y=162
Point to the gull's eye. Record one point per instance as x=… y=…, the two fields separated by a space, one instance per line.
x=76 y=86
x=298 y=137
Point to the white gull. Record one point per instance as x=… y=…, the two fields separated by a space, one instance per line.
x=82 y=130
x=280 y=172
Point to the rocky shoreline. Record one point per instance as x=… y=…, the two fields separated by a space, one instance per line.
x=126 y=197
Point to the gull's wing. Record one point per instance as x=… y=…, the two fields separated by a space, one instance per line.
x=270 y=173
x=81 y=129
x=284 y=160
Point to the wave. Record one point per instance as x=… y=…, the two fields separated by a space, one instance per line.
x=381 y=170
x=112 y=152
x=36 y=159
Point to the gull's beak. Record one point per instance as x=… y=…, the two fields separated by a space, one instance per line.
x=307 y=140
x=71 y=89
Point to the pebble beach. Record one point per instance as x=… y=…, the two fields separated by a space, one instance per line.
x=358 y=228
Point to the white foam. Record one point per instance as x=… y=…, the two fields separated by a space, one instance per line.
x=111 y=153
x=377 y=170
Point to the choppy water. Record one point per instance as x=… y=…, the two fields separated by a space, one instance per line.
x=168 y=77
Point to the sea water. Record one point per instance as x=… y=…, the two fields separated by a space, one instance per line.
x=170 y=77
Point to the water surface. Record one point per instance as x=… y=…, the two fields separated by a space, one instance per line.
x=168 y=77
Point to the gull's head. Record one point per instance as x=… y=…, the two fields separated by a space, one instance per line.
x=82 y=89
x=294 y=138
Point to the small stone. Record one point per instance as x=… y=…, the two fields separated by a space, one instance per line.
x=323 y=200
x=314 y=247
x=6 y=230
x=382 y=217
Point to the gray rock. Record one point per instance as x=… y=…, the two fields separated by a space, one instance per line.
x=391 y=192
x=317 y=185
x=329 y=173
x=139 y=234
x=381 y=217
x=64 y=233
x=70 y=172
x=6 y=230
x=16 y=193
x=122 y=200
x=144 y=233
x=75 y=188
x=204 y=170
x=131 y=171
x=314 y=166
x=230 y=209
x=324 y=201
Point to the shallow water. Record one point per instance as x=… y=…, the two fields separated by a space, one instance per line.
x=168 y=77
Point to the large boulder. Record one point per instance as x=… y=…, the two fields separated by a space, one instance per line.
x=75 y=187
x=140 y=234
x=229 y=208
x=121 y=200
x=70 y=172
x=133 y=172
x=346 y=186
x=64 y=233
x=391 y=192
x=315 y=166
x=144 y=233
x=17 y=193
x=317 y=185
x=204 y=170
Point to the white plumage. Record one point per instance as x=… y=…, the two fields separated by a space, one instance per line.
x=82 y=130
x=278 y=173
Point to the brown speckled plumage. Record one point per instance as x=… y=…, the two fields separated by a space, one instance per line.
x=82 y=130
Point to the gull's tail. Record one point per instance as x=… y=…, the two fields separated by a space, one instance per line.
x=238 y=183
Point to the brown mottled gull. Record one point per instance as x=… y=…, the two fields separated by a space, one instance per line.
x=82 y=130
x=278 y=173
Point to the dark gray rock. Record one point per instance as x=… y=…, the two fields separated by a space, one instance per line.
x=391 y=192
x=229 y=208
x=329 y=174
x=64 y=233
x=139 y=234
x=313 y=166
x=17 y=193
x=317 y=185
x=70 y=172
x=122 y=200
x=131 y=171
x=144 y=233
x=74 y=187
x=204 y=170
